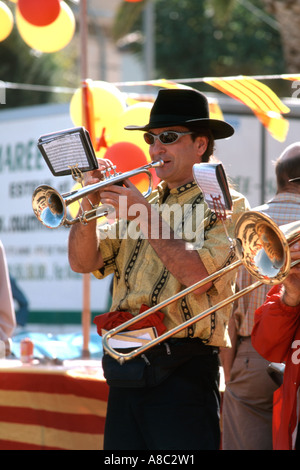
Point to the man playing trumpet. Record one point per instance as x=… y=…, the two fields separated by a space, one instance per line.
x=169 y=398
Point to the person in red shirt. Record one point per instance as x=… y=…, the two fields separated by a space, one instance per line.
x=276 y=336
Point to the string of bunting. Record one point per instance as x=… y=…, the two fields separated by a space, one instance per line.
x=260 y=98
x=49 y=26
x=263 y=102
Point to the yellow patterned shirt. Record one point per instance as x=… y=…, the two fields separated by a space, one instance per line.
x=141 y=278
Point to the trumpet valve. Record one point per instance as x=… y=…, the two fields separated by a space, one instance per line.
x=109 y=172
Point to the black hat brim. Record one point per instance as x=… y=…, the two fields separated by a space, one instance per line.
x=220 y=129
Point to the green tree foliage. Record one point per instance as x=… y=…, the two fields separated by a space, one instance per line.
x=242 y=45
x=191 y=40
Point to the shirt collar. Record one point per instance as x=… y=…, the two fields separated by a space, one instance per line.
x=163 y=187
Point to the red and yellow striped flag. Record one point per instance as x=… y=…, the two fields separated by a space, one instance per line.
x=291 y=77
x=51 y=410
x=264 y=103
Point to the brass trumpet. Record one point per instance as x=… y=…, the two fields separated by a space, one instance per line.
x=50 y=207
x=260 y=245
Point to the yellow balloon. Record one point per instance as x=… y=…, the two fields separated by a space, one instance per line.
x=137 y=114
x=6 y=21
x=50 y=38
x=108 y=104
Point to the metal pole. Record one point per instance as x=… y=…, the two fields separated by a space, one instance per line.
x=149 y=45
x=263 y=165
x=86 y=311
x=83 y=38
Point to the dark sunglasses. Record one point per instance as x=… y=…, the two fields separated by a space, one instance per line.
x=166 y=138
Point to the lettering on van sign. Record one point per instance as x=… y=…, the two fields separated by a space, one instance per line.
x=20 y=156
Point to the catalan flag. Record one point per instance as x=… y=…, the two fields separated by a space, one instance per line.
x=291 y=77
x=162 y=82
x=264 y=103
x=51 y=409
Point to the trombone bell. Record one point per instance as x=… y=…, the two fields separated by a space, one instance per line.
x=264 y=246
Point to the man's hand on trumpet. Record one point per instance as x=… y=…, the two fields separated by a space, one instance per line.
x=93 y=177
x=124 y=197
x=120 y=196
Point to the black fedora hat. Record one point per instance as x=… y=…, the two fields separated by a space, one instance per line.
x=185 y=107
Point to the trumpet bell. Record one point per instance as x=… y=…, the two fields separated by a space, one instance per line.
x=264 y=247
x=49 y=206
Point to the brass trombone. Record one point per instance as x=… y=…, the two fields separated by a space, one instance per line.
x=50 y=207
x=260 y=245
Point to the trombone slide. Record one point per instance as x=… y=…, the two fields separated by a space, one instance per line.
x=261 y=246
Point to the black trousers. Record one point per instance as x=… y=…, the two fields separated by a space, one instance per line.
x=181 y=413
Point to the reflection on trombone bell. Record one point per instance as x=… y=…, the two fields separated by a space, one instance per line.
x=260 y=245
x=50 y=207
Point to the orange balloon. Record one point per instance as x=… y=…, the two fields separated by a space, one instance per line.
x=137 y=114
x=6 y=21
x=39 y=13
x=51 y=38
x=128 y=156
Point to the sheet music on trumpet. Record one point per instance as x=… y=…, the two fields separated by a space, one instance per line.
x=211 y=179
x=68 y=148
